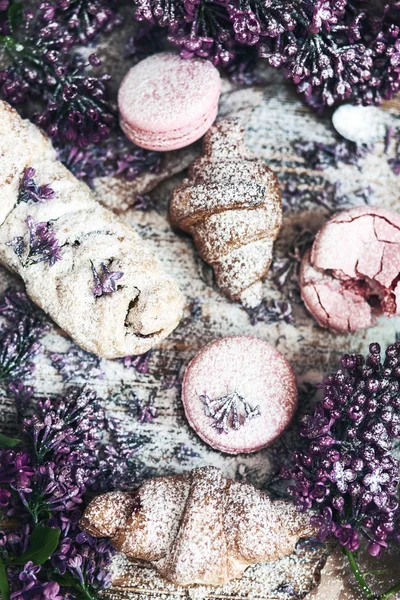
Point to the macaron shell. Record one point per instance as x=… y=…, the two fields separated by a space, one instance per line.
x=255 y=370
x=172 y=140
x=169 y=100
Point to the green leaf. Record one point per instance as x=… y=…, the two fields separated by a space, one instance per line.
x=4 y=585
x=43 y=542
x=15 y=15
x=7 y=442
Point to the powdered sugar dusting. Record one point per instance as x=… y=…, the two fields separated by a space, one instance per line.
x=201 y=528
x=257 y=372
x=288 y=578
x=231 y=205
x=165 y=93
x=107 y=513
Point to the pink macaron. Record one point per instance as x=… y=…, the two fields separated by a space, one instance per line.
x=351 y=275
x=166 y=102
x=239 y=394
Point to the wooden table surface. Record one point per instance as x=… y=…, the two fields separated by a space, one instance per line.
x=274 y=119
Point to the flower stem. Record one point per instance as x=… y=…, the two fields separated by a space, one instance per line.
x=359 y=576
x=376 y=572
x=390 y=592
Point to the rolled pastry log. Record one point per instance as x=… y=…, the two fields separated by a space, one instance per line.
x=146 y=305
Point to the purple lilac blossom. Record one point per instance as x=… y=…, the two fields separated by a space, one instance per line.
x=332 y=50
x=271 y=312
x=30 y=191
x=347 y=471
x=77 y=364
x=61 y=462
x=106 y=281
x=43 y=245
x=140 y=363
x=20 y=336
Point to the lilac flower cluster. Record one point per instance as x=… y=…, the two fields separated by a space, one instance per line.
x=329 y=196
x=43 y=245
x=77 y=364
x=119 y=465
x=144 y=411
x=60 y=91
x=44 y=485
x=285 y=269
x=320 y=156
x=331 y=49
x=19 y=337
x=45 y=477
x=80 y=22
x=116 y=156
x=347 y=472
x=147 y=40
x=229 y=412
x=75 y=108
x=140 y=363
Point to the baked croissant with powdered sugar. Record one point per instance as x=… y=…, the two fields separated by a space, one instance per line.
x=231 y=205
x=197 y=528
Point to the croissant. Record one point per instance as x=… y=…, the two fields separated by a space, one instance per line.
x=197 y=528
x=231 y=205
x=81 y=264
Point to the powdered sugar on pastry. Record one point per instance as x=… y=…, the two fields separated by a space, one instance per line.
x=231 y=205
x=239 y=394
x=200 y=528
x=145 y=305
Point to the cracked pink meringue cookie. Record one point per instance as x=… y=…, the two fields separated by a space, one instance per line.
x=351 y=276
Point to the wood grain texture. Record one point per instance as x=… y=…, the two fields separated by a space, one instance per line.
x=274 y=118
